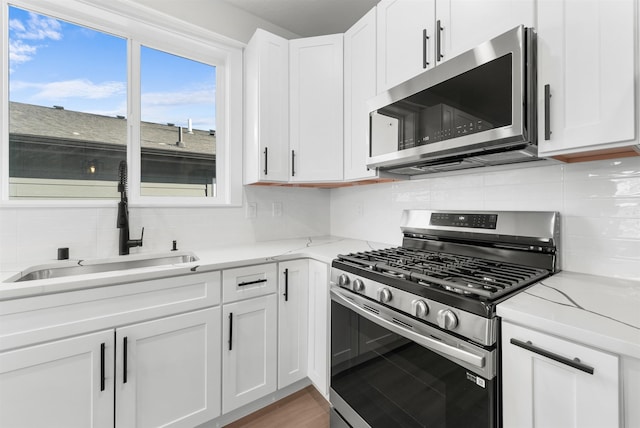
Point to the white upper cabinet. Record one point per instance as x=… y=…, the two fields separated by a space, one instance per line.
x=316 y=108
x=406 y=31
x=266 y=138
x=359 y=86
x=586 y=83
x=415 y=35
x=467 y=23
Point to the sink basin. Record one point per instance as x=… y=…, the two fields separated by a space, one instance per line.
x=83 y=267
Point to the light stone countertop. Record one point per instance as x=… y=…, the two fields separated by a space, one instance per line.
x=324 y=249
x=597 y=311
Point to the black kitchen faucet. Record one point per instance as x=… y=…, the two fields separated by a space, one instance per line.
x=123 y=214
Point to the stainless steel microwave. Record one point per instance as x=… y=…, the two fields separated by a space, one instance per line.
x=476 y=109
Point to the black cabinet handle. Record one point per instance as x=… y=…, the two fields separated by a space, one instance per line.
x=547 y=112
x=102 y=375
x=439 y=29
x=293 y=163
x=230 y=331
x=124 y=360
x=575 y=363
x=266 y=159
x=286 y=285
x=257 y=281
x=425 y=40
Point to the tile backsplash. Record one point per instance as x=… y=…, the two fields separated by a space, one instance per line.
x=32 y=235
x=599 y=203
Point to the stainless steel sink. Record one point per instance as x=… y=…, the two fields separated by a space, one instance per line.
x=83 y=267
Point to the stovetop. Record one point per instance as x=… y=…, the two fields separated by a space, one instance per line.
x=464 y=275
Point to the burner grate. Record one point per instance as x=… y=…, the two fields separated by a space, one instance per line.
x=461 y=274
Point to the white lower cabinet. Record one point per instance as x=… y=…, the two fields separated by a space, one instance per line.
x=318 y=361
x=542 y=387
x=64 y=383
x=293 y=310
x=249 y=350
x=168 y=371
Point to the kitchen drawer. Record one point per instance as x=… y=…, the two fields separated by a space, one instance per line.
x=250 y=281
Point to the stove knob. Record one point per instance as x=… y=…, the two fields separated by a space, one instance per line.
x=358 y=285
x=447 y=319
x=422 y=309
x=384 y=295
x=343 y=280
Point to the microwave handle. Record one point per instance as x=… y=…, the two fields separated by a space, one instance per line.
x=547 y=112
x=425 y=42
x=428 y=342
x=439 y=29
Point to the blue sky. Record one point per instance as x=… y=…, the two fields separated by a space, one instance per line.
x=53 y=62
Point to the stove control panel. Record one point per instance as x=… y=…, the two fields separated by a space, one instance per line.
x=476 y=221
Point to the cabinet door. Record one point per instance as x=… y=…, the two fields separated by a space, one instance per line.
x=168 y=371
x=402 y=49
x=316 y=113
x=266 y=108
x=468 y=23
x=541 y=391
x=359 y=86
x=318 y=365
x=586 y=57
x=293 y=315
x=67 y=383
x=249 y=351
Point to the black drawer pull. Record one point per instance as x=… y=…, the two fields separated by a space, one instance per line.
x=286 y=285
x=425 y=40
x=439 y=29
x=257 y=281
x=230 y=331
x=102 y=375
x=124 y=360
x=266 y=159
x=575 y=363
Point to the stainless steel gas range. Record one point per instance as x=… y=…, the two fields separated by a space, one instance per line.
x=414 y=333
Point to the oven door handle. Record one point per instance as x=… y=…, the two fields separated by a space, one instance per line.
x=433 y=344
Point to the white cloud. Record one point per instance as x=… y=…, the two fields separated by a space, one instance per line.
x=38 y=27
x=20 y=52
x=179 y=98
x=79 y=88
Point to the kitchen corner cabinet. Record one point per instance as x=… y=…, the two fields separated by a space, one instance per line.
x=541 y=388
x=359 y=86
x=169 y=371
x=316 y=108
x=266 y=138
x=415 y=35
x=66 y=383
x=586 y=79
x=318 y=361
x=293 y=310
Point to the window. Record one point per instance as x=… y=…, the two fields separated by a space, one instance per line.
x=67 y=126
x=88 y=89
x=178 y=128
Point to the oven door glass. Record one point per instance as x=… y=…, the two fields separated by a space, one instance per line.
x=390 y=381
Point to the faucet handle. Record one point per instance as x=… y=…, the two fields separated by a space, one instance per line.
x=141 y=236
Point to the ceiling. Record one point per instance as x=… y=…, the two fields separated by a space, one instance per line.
x=308 y=17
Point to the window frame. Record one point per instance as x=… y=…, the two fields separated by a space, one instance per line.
x=140 y=25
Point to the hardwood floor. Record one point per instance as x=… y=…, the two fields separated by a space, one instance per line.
x=303 y=409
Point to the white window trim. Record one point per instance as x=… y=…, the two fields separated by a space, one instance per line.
x=142 y=25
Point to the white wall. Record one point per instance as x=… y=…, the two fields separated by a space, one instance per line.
x=32 y=235
x=599 y=203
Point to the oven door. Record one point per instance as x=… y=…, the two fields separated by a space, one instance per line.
x=390 y=370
